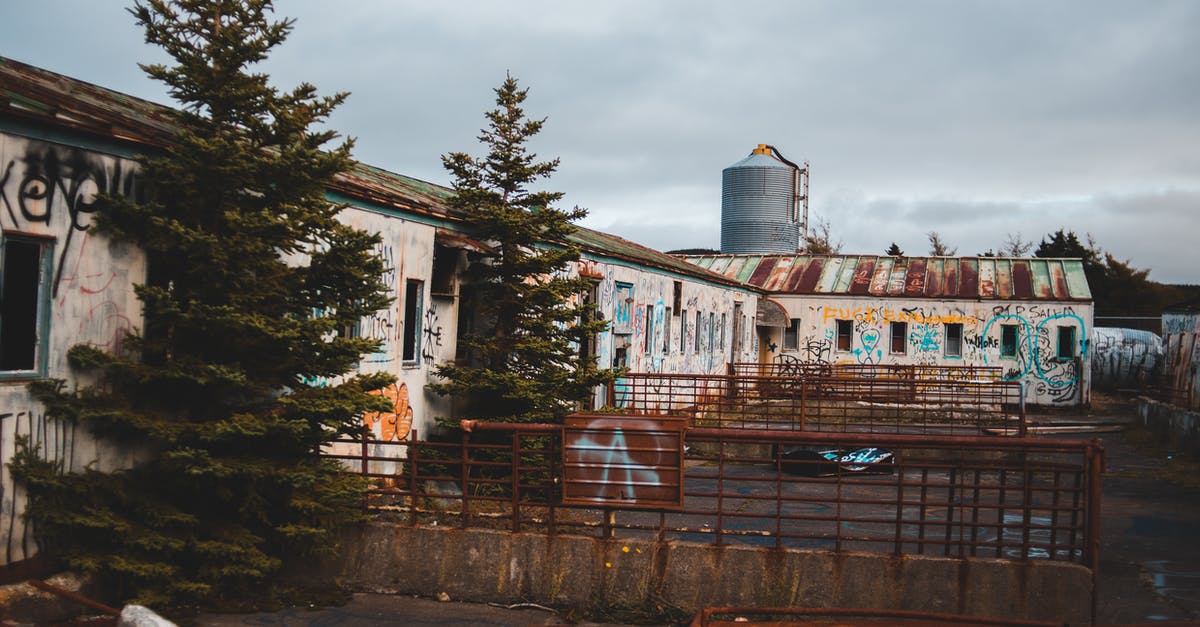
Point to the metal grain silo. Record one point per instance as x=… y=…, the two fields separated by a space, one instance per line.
x=761 y=202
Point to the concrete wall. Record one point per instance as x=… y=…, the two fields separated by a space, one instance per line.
x=576 y=571
x=1182 y=352
x=1050 y=380
x=46 y=192
x=1178 y=428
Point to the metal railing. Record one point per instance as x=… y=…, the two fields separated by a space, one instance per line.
x=1012 y=498
x=786 y=366
x=827 y=403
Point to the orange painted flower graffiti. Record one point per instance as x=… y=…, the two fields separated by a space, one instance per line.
x=394 y=424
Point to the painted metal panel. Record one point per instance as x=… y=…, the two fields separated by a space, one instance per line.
x=845 y=275
x=633 y=461
x=914 y=283
x=830 y=275
x=760 y=274
x=861 y=282
x=879 y=280
x=1041 y=279
x=734 y=266
x=719 y=264
x=1004 y=278
x=896 y=279
x=1077 y=284
x=949 y=285
x=1058 y=280
x=968 y=278
x=752 y=262
x=795 y=277
x=776 y=279
x=935 y=277
x=810 y=278
x=987 y=278
x=1022 y=279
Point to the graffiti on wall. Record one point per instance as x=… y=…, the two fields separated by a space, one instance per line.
x=1125 y=357
x=396 y=423
x=51 y=190
x=1054 y=373
x=431 y=335
x=53 y=440
x=50 y=179
x=383 y=325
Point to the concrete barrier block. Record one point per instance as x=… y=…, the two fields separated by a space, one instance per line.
x=930 y=584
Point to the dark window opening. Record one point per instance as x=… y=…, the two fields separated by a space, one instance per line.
x=899 y=338
x=1008 y=340
x=954 y=334
x=445 y=266
x=411 y=351
x=845 y=332
x=1066 y=343
x=22 y=301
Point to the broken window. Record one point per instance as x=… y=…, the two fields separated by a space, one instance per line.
x=1066 y=343
x=24 y=313
x=845 y=333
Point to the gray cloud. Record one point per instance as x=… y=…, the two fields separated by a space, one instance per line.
x=972 y=118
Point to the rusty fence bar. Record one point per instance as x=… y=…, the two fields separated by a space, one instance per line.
x=827 y=403
x=1010 y=498
x=786 y=366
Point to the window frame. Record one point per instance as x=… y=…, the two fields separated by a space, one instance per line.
x=1009 y=349
x=414 y=304
x=44 y=262
x=956 y=338
x=843 y=329
x=902 y=337
x=1066 y=350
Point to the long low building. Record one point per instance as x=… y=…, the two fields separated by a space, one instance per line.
x=62 y=141
x=1030 y=317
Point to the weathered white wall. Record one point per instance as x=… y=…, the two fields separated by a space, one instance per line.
x=48 y=190
x=682 y=345
x=1049 y=380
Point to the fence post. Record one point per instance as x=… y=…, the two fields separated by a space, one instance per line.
x=1095 y=454
x=464 y=474
x=516 y=481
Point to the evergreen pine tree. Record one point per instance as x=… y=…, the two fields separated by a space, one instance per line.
x=523 y=364
x=250 y=279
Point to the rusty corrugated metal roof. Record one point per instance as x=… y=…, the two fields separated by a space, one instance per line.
x=44 y=97
x=982 y=278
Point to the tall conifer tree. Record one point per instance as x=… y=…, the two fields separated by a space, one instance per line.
x=251 y=279
x=523 y=361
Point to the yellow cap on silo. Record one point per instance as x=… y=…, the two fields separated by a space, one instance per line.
x=763 y=149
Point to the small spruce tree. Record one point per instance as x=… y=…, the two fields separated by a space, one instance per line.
x=250 y=279
x=522 y=364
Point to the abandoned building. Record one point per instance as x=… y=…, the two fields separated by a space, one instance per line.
x=62 y=141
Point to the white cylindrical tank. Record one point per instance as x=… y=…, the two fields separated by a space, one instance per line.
x=760 y=212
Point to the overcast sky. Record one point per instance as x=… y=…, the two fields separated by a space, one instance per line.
x=973 y=119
